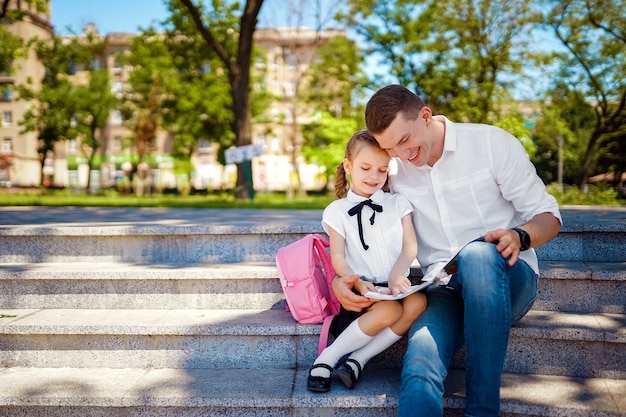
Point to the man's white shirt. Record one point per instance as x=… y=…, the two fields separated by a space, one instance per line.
x=483 y=181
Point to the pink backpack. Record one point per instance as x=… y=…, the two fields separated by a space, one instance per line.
x=306 y=273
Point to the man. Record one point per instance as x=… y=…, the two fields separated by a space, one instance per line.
x=464 y=181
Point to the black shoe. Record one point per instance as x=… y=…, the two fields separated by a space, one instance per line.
x=346 y=373
x=319 y=383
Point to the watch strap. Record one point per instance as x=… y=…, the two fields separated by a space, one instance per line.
x=524 y=238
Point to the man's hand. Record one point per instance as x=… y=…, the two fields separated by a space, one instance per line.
x=541 y=229
x=507 y=243
x=342 y=287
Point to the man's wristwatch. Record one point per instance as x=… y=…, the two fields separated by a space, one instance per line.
x=524 y=238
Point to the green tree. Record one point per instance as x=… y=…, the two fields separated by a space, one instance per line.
x=11 y=45
x=325 y=141
x=51 y=116
x=514 y=124
x=14 y=10
x=563 y=117
x=593 y=33
x=94 y=103
x=54 y=106
x=335 y=89
x=200 y=107
x=336 y=80
x=228 y=30
x=611 y=156
x=152 y=82
x=459 y=55
x=11 y=48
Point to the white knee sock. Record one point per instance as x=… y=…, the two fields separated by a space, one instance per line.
x=379 y=343
x=350 y=339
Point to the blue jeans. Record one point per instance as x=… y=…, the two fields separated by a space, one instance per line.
x=477 y=308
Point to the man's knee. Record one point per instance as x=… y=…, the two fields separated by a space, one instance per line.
x=481 y=252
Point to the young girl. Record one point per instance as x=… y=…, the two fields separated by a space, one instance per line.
x=372 y=236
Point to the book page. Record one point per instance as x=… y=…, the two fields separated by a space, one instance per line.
x=432 y=277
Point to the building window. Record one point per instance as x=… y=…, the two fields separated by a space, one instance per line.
x=117 y=68
x=117 y=88
x=291 y=59
x=72 y=146
x=7 y=145
x=289 y=89
x=7 y=119
x=7 y=71
x=117 y=144
x=259 y=63
x=7 y=95
x=116 y=118
x=203 y=143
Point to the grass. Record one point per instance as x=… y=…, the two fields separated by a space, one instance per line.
x=62 y=198
x=109 y=198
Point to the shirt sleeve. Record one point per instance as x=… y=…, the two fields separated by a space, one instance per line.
x=333 y=218
x=403 y=205
x=517 y=177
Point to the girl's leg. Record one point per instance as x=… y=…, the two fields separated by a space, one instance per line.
x=358 y=334
x=412 y=307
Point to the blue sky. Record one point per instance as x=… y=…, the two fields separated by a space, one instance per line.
x=108 y=15
x=130 y=15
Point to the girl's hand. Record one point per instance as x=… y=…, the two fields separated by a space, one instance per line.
x=399 y=284
x=364 y=286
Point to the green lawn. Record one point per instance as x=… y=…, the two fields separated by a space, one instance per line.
x=48 y=197
x=113 y=199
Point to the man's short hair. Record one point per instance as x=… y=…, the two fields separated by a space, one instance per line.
x=385 y=105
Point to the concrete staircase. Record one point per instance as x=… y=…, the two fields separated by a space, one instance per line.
x=162 y=318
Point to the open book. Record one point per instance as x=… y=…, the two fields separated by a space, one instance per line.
x=432 y=277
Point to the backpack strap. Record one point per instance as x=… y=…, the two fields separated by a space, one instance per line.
x=323 y=342
x=320 y=245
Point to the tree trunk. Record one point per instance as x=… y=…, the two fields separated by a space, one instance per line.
x=243 y=133
x=239 y=77
x=584 y=170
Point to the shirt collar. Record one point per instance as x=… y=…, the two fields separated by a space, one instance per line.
x=449 y=138
x=377 y=197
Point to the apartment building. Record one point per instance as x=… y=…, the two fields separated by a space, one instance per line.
x=288 y=54
x=19 y=161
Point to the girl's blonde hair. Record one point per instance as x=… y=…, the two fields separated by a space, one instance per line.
x=355 y=144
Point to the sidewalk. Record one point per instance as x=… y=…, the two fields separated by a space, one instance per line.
x=613 y=217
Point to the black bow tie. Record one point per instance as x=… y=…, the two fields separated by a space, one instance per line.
x=357 y=209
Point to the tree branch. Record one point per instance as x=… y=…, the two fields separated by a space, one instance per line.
x=207 y=35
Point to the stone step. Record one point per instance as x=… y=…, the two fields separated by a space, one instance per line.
x=597 y=287
x=128 y=285
x=148 y=245
x=102 y=392
x=582 y=286
x=254 y=242
x=568 y=344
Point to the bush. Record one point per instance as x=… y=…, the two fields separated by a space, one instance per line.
x=595 y=196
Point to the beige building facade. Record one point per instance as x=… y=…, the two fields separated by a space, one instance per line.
x=19 y=161
x=288 y=53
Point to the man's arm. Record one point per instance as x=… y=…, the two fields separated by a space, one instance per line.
x=541 y=229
